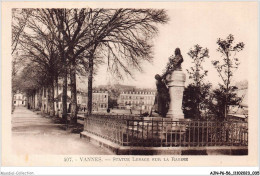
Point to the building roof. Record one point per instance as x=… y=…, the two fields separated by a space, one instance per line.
x=139 y=92
x=99 y=91
x=243 y=93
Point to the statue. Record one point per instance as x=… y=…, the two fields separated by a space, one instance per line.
x=162 y=97
x=175 y=81
x=174 y=63
x=170 y=88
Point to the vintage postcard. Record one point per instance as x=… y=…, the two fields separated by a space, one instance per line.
x=130 y=84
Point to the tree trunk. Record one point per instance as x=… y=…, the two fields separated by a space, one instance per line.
x=47 y=99
x=39 y=103
x=64 y=96
x=57 y=94
x=28 y=105
x=12 y=103
x=73 y=88
x=51 y=99
x=42 y=98
x=227 y=86
x=37 y=100
x=34 y=99
x=90 y=80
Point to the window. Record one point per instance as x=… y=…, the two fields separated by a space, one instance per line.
x=14 y=102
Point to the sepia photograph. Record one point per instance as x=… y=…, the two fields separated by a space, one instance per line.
x=130 y=84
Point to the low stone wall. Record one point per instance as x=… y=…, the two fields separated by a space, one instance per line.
x=164 y=132
x=126 y=150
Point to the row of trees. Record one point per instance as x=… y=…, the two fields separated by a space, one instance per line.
x=199 y=100
x=58 y=44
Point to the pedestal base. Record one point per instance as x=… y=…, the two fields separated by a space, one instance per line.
x=174 y=116
x=175 y=82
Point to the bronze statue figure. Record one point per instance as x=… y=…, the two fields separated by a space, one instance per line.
x=174 y=63
x=162 y=98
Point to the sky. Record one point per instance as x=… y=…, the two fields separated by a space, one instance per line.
x=197 y=24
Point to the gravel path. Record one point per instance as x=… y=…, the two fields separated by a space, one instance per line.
x=34 y=134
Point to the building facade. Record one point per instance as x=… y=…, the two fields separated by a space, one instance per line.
x=19 y=99
x=240 y=112
x=137 y=99
x=99 y=100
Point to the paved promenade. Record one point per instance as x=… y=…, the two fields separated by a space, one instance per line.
x=35 y=134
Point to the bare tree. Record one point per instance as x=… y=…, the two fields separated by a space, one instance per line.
x=124 y=37
x=19 y=21
x=127 y=33
x=82 y=35
x=69 y=25
x=38 y=48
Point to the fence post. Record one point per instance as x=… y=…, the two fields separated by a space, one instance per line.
x=152 y=132
x=127 y=131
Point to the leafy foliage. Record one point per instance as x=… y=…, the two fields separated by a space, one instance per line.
x=196 y=101
x=195 y=98
x=220 y=98
x=198 y=55
x=113 y=95
x=225 y=69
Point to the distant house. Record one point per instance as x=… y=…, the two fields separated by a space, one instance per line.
x=240 y=112
x=99 y=100
x=140 y=99
x=131 y=97
x=82 y=99
x=19 y=99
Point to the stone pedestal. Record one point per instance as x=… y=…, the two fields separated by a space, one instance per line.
x=176 y=82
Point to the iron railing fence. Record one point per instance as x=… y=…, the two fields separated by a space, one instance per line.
x=129 y=131
x=114 y=116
